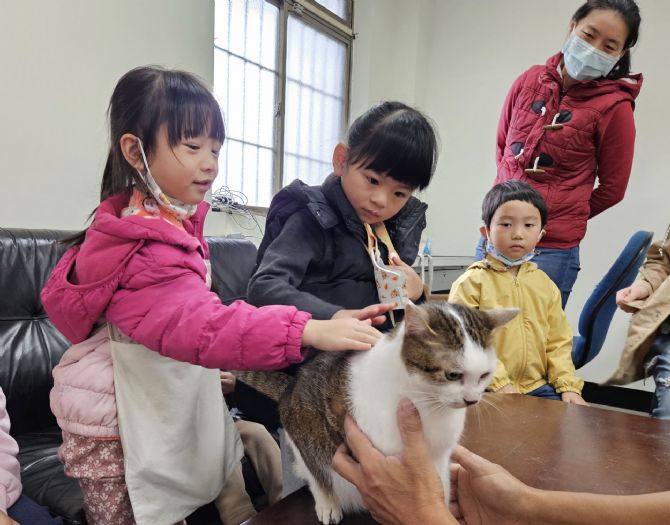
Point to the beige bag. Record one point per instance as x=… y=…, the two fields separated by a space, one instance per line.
x=179 y=441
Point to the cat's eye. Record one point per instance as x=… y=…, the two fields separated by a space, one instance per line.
x=484 y=376
x=453 y=376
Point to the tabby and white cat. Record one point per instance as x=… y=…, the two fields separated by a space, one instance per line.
x=440 y=358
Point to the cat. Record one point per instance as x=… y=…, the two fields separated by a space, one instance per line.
x=439 y=357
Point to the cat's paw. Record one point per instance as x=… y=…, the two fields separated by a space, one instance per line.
x=329 y=515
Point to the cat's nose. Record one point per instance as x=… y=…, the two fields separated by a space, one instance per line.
x=470 y=402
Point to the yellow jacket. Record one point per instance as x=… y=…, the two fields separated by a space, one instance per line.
x=535 y=347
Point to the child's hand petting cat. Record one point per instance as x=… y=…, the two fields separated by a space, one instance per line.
x=414 y=284
x=375 y=313
x=340 y=334
x=574 y=398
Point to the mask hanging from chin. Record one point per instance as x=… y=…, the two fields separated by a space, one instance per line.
x=496 y=254
x=585 y=62
x=180 y=209
x=493 y=252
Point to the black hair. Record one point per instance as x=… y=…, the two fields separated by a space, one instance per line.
x=144 y=99
x=630 y=13
x=512 y=190
x=396 y=140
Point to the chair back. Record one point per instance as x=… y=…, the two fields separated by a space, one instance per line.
x=30 y=346
x=597 y=313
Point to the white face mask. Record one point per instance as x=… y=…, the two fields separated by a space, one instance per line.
x=180 y=209
x=585 y=62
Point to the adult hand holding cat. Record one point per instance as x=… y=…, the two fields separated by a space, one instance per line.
x=340 y=334
x=413 y=283
x=484 y=493
x=375 y=313
x=397 y=490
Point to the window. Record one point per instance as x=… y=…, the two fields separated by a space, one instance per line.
x=281 y=74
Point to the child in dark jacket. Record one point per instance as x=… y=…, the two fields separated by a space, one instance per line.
x=315 y=253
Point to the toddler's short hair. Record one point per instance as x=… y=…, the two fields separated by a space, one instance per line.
x=512 y=190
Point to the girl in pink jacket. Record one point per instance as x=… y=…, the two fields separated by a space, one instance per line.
x=141 y=267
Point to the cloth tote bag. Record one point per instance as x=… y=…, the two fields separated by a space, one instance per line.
x=179 y=441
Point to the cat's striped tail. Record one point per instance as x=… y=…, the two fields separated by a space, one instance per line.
x=271 y=384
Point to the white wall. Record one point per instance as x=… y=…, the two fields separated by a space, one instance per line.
x=473 y=52
x=59 y=62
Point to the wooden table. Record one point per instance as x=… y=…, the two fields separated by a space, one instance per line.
x=547 y=444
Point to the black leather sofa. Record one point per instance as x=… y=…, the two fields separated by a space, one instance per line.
x=30 y=346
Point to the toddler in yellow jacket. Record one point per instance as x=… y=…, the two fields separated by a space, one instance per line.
x=535 y=348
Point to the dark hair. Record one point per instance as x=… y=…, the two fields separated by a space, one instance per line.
x=630 y=12
x=394 y=139
x=512 y=190
x=144 y=99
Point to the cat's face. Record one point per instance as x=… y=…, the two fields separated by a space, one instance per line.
x=447 y=352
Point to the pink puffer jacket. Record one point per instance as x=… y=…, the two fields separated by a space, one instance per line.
x=149 y=279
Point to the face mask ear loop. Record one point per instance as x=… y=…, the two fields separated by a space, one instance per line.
x=144 y=157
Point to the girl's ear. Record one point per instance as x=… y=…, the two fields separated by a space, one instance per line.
x=541 y=234
x=340 y=154
x=482 y=230
x=131 y=151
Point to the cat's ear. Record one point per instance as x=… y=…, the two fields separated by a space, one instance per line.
x=416 y=319
x=499 y=316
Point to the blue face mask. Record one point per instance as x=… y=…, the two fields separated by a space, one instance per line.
x=585 y=62
x=493 y=252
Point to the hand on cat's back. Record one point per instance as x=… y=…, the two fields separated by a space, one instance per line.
x=397 y=490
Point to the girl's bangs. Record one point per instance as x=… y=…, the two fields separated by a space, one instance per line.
x=409 y=160
x=191 y=110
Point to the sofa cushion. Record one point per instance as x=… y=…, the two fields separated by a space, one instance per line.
x=30 y=346
x=43 y=478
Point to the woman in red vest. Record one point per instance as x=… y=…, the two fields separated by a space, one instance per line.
x=569 y=123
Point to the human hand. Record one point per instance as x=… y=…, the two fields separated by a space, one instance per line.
x=397 y=490
x=484 y=493
x=375 y=313
x=507 y=389
x=413 y=283
x=6 y=520
x=227 y=382
x=574 y=398
x=340 y=334
x=638 y=290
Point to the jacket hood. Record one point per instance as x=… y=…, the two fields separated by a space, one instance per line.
x=628 y=87
x=85 y=279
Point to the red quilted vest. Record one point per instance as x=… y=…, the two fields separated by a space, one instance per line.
x=557 y=136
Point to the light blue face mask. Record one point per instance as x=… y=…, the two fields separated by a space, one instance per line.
x=585 y=62
x=493 y=252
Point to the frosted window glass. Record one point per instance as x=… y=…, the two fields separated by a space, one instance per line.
x=245 y=84
x=339 y=7
x=315 y=102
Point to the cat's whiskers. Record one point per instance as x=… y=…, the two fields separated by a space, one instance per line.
x=485 y=406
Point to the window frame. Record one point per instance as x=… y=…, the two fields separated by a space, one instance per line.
x=323 y=20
